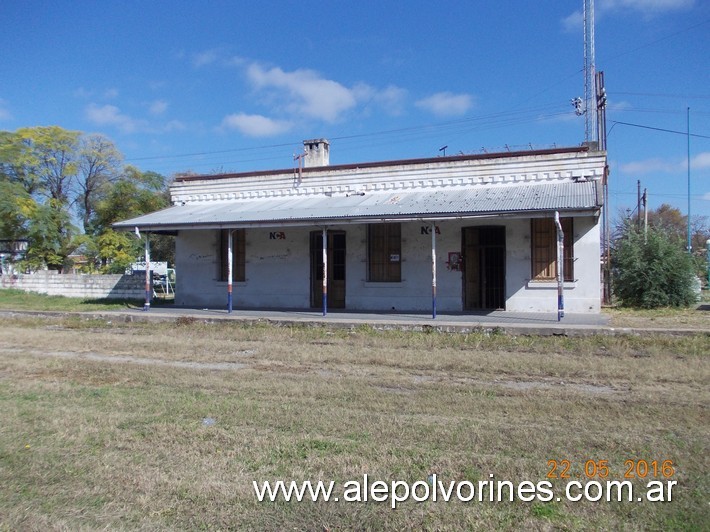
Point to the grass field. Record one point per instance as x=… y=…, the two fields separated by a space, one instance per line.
x=14 y=299
x=165 y=426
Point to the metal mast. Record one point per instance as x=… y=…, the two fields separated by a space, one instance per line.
x=591 y=133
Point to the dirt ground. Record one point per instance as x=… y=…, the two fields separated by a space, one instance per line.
x=166 y=426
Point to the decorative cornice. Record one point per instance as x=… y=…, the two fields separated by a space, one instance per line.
x=431 y=174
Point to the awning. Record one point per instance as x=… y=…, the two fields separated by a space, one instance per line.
x=572 y=198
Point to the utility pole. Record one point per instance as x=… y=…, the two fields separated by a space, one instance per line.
x=638 y=204
x=690 y=243
x=591 y=133
x=645 y=216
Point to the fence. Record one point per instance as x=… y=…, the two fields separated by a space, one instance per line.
x=88 y=286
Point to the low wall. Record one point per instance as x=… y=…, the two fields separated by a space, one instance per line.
x=88 y=286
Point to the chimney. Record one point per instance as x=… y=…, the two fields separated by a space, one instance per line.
x=317 y=153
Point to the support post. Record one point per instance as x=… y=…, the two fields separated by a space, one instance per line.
x=638 y=204
x=644 y=199
x=325 y=271
x=690 y=241
x=230 y=272
x=560 y=268
x=146 y=306
x=433 y=271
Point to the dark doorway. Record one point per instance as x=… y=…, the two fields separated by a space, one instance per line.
x=484 y=267
x=336 y=269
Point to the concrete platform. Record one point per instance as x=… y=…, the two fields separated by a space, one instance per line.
x=498 y=322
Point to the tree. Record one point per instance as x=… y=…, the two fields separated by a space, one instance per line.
x=48 y=160
x=15 y=166
x=653 y=270
x=40 y=164
x=49 y=176
x=135 y=193
x=672 y=221
x=51 y=236
x=99 y=165
x=16 y=208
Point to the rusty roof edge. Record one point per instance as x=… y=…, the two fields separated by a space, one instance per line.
x=379 y=164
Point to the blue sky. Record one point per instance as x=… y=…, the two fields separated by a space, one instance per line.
x=220 y=86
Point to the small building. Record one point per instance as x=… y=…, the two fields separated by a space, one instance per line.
x=462 y=233
x=12 y=251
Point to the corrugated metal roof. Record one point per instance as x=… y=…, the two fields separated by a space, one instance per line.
x=431 y=204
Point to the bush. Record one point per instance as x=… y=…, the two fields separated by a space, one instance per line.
x=651 y=274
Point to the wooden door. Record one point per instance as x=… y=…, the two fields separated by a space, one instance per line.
x=336 y=269
x=484 y=267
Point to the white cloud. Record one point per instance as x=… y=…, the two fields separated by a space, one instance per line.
x=648 y=166
x=392 y=99
x=158 y=107
x=174 y=125
x=304 y=91
x=204 y=58
x=256 y=125
x=706 y=197
x=83 y=93
x=235 y=61
x=110 y=115
x=446 y=104
x=4 y=112
x=87 y=94
x=701 y=161
x=574 y=22
x=647 y=8
x=657 y=165
x=618 y=106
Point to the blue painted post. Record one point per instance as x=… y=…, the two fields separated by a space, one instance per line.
x=433 y=271
x=230 y=273
x=325 y=271
x=146 y=306
x=560 y=268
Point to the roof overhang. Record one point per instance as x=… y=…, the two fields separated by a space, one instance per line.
x=512 y=201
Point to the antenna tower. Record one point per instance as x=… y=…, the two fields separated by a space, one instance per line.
x=591 y=133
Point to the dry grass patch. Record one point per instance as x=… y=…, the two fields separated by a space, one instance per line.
x=86 y=443
x=696 y=317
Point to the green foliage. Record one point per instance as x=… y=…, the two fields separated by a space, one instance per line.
x=99 y=165
x=49 y=176
x=15 y=165
x=654 y=273
x=47 y=157
x=51 y=236
x=116 y=250
x=672 y=221
x=134 y=194
x=16 y=208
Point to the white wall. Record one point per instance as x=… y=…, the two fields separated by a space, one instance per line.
x=580 y=296
x=85 y=285
x=278 y=270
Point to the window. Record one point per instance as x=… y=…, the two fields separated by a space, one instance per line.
x=544 y=249
x=384 y=249
x=238 y=255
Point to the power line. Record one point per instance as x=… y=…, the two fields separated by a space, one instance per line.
x=665 y=95
x=493 y=120
x=650 y=43
x=684 y=133
x=197 y=154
